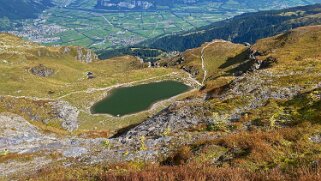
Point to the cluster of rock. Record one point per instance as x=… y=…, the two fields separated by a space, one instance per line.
x=193 y=71
x=42 y=71
x=179 y=60
x=17 y=135
x=90 y=75
x=67 y=113
x=257 y=88
x=85 y=55
x=16 y=132
x=177 y=117
x=81 y=54
x=44 y=111
x=261 y=64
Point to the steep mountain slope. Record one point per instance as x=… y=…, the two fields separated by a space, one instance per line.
x=213 y=63
x=22 y=9
x=12 y=12
x=244 y=28
x=262 y=122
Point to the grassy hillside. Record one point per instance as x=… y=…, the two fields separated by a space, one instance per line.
x=256 y=118
x=214 y=64
x=262 y=125
x=220 y=58
x=56 y=73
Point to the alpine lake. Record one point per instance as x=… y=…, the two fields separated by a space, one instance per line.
x=129 y=100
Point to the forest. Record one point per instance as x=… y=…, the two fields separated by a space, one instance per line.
x=248 y=27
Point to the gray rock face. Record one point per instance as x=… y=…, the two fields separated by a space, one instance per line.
x=68 y=114
x=42 y=71
x=176 y=118
x=17 y=135
x=66 y=50
x=85 y=55
x=15 y=130
x=258 y=87
x=75 y=152
x=18 y=167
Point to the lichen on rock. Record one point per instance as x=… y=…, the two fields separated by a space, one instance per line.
x=67 y=113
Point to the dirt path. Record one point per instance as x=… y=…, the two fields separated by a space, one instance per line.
x=91 y=90
x=203 y=61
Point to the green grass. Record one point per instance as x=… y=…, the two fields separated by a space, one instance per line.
x=69 y=82
x=221 y=60
x=89 y=29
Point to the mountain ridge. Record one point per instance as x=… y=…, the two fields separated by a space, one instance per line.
x=243 y=28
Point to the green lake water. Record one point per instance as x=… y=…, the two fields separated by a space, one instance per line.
x=129 y=100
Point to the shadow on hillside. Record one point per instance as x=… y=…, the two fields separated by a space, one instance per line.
x=240 y=58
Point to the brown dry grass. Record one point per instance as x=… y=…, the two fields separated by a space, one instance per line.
x=188 y=172
x=204 y=172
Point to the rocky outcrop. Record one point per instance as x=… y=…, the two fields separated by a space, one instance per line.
x=67 y=113
x=262 y=64
x=66 y=50
x=90 y=75
x=15 y=130
x=18 y=136
x=81 y=54
x=42 y=71
x=178 y=117
x=258 y=88
x=44 y=111
x=193 y=71
x=85 y=55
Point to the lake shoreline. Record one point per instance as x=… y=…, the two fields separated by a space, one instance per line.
x=143 y=97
